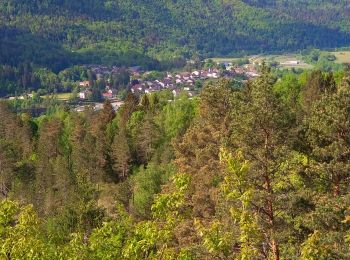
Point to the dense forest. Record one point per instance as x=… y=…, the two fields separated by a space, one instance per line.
x=30 y=79
x=161 y=33
x=258 y=169
x=259 y=172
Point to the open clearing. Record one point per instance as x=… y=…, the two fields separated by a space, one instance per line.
x=227 y=59
x=342 y=56
x=288 y=59
x=60 y=96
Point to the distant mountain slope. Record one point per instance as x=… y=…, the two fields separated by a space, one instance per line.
x=158 y=32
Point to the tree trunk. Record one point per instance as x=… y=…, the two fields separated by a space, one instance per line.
x=275 y=250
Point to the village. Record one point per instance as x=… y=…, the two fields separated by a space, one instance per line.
x=186 y=81
x=92 y=93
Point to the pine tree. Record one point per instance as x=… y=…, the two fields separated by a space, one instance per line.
x=198 y=151
x=261 y=130
x=98 y=138
x=312 y=90
x=49 y=149
x=130 y=106
x=107 y=114
x=7 y=167
x=15 y=151
x=329 y=137
x=121 y=156
x=147 y=139
x=145 y=103
x=327 y=172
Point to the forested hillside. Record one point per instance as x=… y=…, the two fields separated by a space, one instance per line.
x=157 y=33
x=232 y=167
x=260 y=172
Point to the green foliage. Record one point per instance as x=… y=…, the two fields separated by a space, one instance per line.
x=265 y=174
x=162 y=34
x=108 y=241
x=238 y=189
x=288 y=88
x=146 y=184
x=21 y=240
x=314 y=249
x=176 y=116
x=215 y=241
x=166 y=206
x=153 y=75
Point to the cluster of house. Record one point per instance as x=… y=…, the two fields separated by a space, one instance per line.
x=176 y=82
x=104 y=71
x=248 y=71
x=85 y=90
x=184 y=81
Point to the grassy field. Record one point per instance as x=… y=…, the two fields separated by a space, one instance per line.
x=268 y=58
x=283 y=59
x=60 y=96
x=342 y=56
x=226 y=59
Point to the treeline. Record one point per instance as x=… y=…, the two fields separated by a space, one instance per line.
x=27 y=78
x=238 y=173
x=162 y=34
